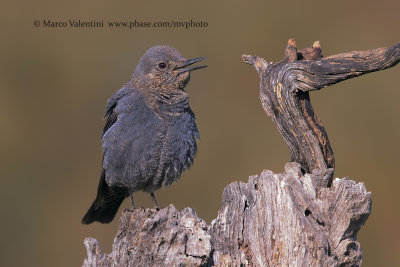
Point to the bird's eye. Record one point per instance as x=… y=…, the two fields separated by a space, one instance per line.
x=162 y=65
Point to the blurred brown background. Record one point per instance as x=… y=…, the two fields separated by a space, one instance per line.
x=54 y=84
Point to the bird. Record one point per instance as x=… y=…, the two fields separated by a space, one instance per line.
x=310 y=53
x=150 y=133
x=291 y=51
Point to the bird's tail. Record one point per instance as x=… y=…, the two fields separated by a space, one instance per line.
x=106 y=204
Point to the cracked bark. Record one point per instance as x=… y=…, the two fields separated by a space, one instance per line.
x=273 y=220
x=284 y=94
x=301 y=217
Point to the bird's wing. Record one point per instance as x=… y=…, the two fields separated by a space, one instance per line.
x=132 y=144
x=110 y=108
x=111 y=119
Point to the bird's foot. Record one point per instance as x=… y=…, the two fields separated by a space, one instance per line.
x=132 y=203
x=155 y=203
x=158 y=208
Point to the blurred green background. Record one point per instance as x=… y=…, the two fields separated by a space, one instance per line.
x=54 y=83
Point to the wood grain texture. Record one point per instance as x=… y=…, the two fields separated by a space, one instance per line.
x=284 y=94
x=286 y=219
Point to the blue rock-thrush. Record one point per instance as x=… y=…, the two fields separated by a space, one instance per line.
x=150 y=134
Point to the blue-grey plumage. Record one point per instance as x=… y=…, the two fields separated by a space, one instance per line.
x=150 y=135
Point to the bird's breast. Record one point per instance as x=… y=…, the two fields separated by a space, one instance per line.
x=177 y=150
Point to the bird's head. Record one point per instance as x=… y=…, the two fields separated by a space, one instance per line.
x=164 y=67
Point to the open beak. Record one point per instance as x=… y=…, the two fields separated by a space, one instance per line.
x=185 y=66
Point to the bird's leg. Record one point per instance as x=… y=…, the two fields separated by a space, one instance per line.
x=132 y=202
x=155 y=203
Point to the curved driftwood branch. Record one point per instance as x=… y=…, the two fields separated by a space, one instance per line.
x=284 y=95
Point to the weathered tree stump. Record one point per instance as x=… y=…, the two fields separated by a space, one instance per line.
x=302 y=217
x=273 y=220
